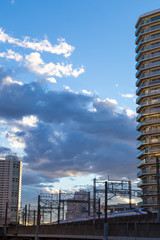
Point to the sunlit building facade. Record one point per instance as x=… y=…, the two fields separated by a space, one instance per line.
x=10 y=187
x=148 y=100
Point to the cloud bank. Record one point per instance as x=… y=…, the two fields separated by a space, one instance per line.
x=67 y=134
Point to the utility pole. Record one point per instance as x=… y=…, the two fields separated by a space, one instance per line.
x=63 y=209
x=89 y=206
x=25 y=215
x=38 y=218
x=59 y=206
x=34 y=218
x=99 y=208
x=130 y=194
x=158 y=189
x=94 y=199
x=42 y=214
x=51 y=209
x=29 y=214
x=105 y=219
x=6 y=216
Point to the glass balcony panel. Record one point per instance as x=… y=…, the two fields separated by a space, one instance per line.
x=148 y=103
x=147 y=21
x=149 y=83
x=147 y=39
x=140 y=153
x=148 y=56
x=155 y=64
x=147 y=30
x=148 y=47
x=145 y=171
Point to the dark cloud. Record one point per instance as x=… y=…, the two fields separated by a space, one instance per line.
x=69 y=138
x=4 y=150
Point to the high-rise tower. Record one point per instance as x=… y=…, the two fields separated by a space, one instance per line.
x=148 y=91
x=10 y=187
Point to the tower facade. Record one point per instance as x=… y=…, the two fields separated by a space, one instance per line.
x=10 y=187
x=148 y=100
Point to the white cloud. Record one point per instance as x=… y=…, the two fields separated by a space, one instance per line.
x=3 y=122
x=30 y=121
x=8 y=80
x=127 y=95
x=51 y=79
x=42 y=46
x=116 y=85
x=107 y=101
x=11 y=55
x=14 y=140
x=35 y=64
x=67 y=88
x=86 y=92
x=77 y=72
x=129 y=112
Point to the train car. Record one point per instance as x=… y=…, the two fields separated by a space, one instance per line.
x=109 y=215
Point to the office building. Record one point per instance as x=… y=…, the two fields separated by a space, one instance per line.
x=10 y=187
x=148 y=100
x=78 y=205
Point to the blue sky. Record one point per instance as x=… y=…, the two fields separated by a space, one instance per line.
x=67 y=89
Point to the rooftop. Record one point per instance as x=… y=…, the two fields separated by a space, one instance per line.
x=145 y=15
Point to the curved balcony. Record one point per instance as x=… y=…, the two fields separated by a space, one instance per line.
x=147 y=39
x=148 y=152
x=148 y=57
x=147 y=48
x=148 y=66
x=146 y=172
x=147 y=103
x=147 y=142
x=148 y=84
x=148 y=112
x=148 y=94
x=145 y=182
x=147 y=30
x=149 y=132
x=148 y=21
x=148 y=122
x=152 y=192
x=155 y=73
x=144 y=162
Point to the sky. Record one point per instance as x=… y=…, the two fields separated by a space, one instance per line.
x=67 y=90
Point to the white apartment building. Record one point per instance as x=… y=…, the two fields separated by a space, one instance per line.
x=10 y=187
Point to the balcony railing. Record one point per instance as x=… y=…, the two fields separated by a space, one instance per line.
x=145 y=171
x=148 y=122
x=146 y=151
x=147 y=21
x=147 y=39
x=148 y=47
x=150 y=74
x=147 y=30
x=148 y=84
x=147 y=94
x=148 y=56
x=145 y=182
x=147 y=103
x=144 y=142
x=149 y=65
x=148 y=112
x=151 y=131
x=140 y=153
